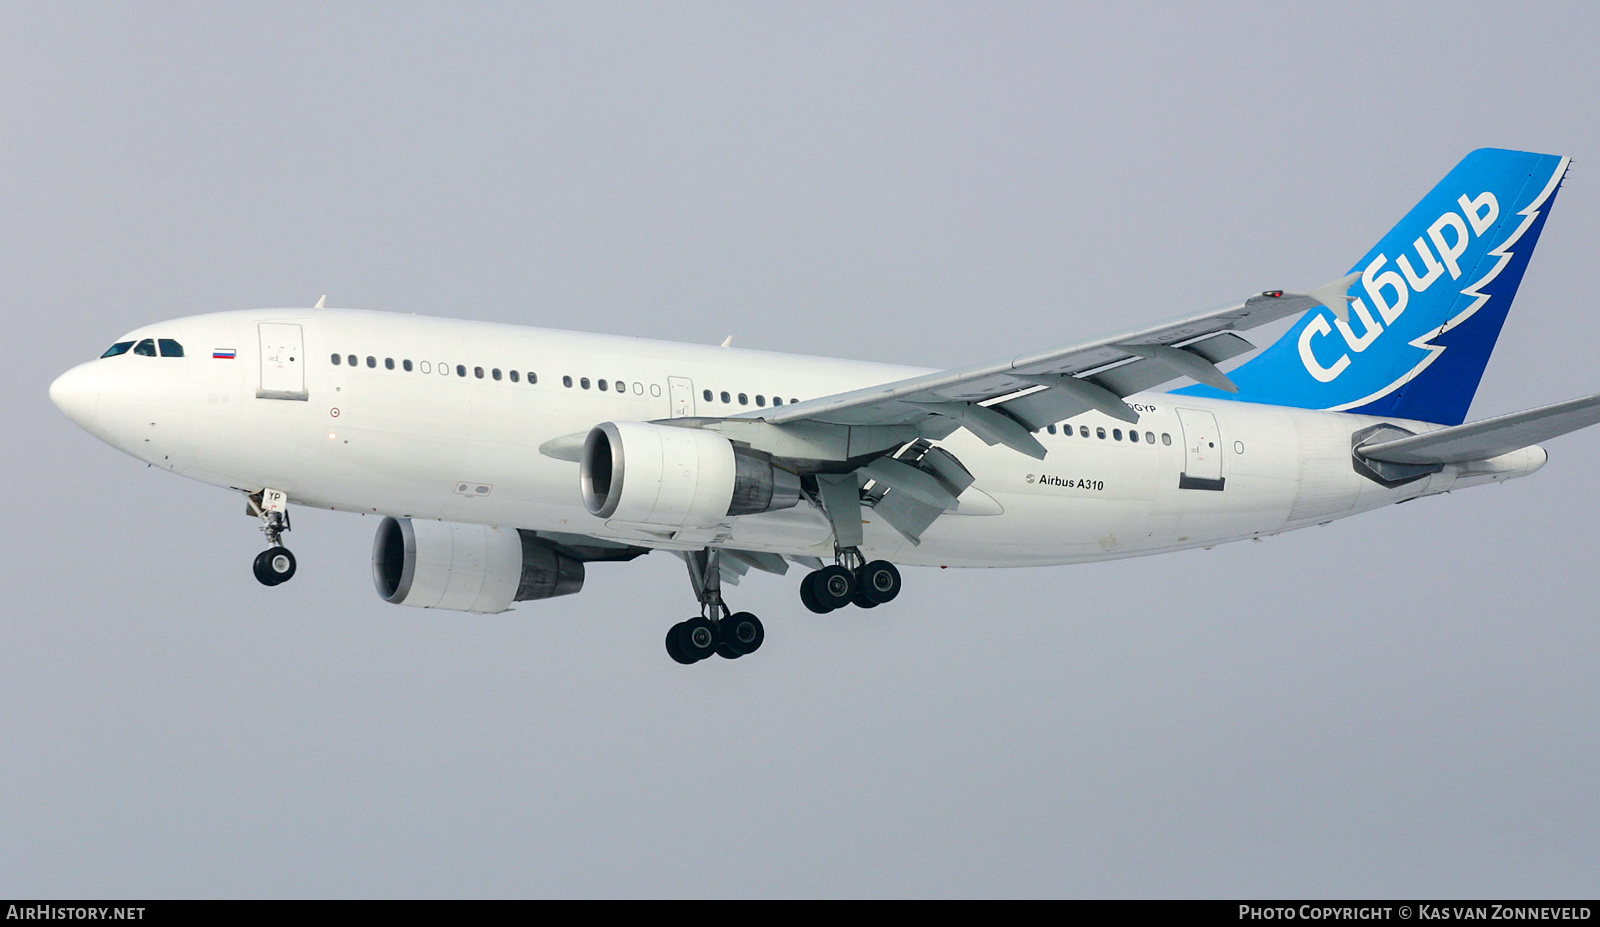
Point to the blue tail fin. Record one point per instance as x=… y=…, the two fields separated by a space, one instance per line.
x=1432 y=297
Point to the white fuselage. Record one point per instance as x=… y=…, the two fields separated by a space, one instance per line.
x=430 y=443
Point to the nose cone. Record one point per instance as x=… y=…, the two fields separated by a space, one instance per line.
x=77 y=394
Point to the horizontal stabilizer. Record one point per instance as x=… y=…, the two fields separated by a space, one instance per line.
x=1490 y=437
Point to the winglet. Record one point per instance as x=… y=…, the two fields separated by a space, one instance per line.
x=322 y=303
x=1336 y=295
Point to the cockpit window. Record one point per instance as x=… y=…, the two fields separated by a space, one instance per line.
x=170 y=348
x=120 y=347
x=145 y=348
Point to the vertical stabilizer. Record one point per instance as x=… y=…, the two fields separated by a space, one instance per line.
x=1428 y=305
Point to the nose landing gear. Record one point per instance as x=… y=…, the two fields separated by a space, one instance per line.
x=276 y=564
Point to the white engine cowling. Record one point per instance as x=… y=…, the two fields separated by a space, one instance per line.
x=467 y=568
x=681 y=477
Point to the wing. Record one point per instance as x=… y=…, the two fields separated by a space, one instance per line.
x=873 y=448
x=1003 y=402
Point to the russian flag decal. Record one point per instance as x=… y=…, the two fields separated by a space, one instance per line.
x=223 y=353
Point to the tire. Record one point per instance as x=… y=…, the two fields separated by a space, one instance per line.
x=880 y=582
x=833 y=587
x=808 y=594
x=741 y=633
x=673 y=650
x=274 y=565
x=697 y=638
x=860 y=600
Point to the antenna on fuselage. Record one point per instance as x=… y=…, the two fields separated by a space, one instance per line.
x=322 y=303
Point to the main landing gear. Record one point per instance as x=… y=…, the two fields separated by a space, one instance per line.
x=275 y=564
x=850 y=582
x=715 y=631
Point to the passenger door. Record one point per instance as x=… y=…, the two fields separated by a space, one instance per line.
x=1202 y=451
x=283 y=362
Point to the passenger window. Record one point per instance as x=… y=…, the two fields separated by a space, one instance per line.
x=406 y=364
x=388 y=363
x=477 y=372
x=351 y=359
x=777 y=400
x=145 y=348
x=461 y=370
x=1083 y=430
x=336 y=359
x=601 y=385
x=638 y=389
x=583 y=382
x=707 y=394
x=1133 y=436
x=1100 y=433
x=444 y=369
x=725 y=397
x=760 y=399
x=567 y=382
x=495 y=373
x=1149 y=437
x=1116 y=433
x=122 y=347
x=1166 y=439
x=425 y=367
x=533 y=378
x=792 y=399
x=1050 y=428
x=513 y=375
x=372 y=361
x=743 y=399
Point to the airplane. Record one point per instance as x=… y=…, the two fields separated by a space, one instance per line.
x=504 y=458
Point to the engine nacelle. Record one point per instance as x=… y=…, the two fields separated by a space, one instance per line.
x=681 y=477
x=467 y=568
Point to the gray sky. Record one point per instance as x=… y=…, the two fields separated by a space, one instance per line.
x=1399 y=704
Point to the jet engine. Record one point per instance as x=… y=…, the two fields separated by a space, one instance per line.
x=468 y=568
x=682 y=477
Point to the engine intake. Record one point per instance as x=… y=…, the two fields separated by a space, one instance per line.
x=681 y=477
x=468 y=568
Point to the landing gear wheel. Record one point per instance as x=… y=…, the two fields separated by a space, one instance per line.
x=808 y=594
x=697 y=638
x=274 y=565
x=673 y=650
x=860 y=600
x=833 y=587
x=879 y=581
x=741 y=633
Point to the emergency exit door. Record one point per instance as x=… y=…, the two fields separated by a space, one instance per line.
x=681 y=391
